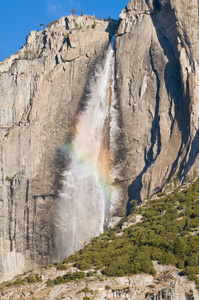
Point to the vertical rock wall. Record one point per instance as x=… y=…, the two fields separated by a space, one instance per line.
x=157 y=77
x=41 y=88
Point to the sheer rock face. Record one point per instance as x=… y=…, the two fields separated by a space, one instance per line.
x=41 y=89
x=40 y=93
x=157 y=60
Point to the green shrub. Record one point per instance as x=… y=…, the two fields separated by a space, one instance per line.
x=31 y=279
x=38 y=277
x=61 y=266
x=69 y=277
x=91 y=273
x=151 y=286
x=50 y=282
x=46 y=267
x=60 y=280
x=86 y=290
x=18 y=281
x=83 y=265
x=107 y=287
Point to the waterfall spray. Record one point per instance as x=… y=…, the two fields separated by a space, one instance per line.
x=85 y=198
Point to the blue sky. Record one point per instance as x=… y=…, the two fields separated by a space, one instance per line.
x=19 y=17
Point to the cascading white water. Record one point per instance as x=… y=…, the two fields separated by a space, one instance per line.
x=85 y=199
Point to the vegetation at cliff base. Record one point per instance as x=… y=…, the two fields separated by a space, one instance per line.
x=165 y=229
x=168 y=233
x=32 y=278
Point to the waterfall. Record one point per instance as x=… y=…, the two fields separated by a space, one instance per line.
x=86 y=197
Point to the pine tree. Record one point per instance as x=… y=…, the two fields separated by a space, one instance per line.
x=73 y=12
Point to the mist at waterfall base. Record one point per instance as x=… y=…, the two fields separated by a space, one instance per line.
x=87 y=197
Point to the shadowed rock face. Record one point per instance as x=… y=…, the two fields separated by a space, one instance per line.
x=157 y=74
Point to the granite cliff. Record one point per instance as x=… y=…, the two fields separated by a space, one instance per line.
x=41 y=90
x=157 y=80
